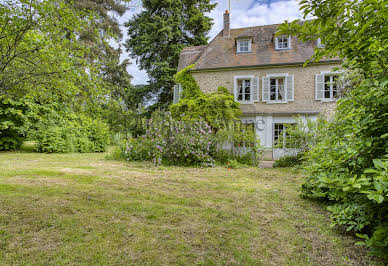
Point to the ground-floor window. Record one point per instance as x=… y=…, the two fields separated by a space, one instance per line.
x=281 y=139
x=248 y=128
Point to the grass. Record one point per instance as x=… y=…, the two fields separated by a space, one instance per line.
x=84 y=209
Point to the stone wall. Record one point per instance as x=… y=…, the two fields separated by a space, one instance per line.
x=304 y=88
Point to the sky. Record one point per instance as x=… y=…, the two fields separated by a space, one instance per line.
x=243 y=13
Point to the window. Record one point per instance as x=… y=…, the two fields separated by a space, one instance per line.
x=244 y=46
x=280 y=137
x=244 y=90
x=330 y=91
x=277 y=89
x=283 y=42
x=319 y=43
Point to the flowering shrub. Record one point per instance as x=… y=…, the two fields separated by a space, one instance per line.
x=173 y=142
x=169 y=141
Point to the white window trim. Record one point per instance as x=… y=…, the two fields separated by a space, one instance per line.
x=236 y=78
x=249 y=46
x=277 y=44
x=278 y=75
x=329 y=73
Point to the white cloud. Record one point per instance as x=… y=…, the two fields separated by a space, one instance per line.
x=244 y=13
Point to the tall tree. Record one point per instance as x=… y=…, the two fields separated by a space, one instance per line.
x=158 y=34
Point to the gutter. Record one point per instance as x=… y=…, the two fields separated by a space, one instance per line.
x=217 y=69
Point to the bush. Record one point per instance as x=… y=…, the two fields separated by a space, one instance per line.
x=61 y=133
x=187 y=143
x=289 y=161
x=349 y=166
x=14 y=122
x=172 y=142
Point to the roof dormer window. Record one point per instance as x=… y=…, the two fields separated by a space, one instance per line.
x=244 y=46
x=283 y=42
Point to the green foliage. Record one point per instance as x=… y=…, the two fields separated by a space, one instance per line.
x=289 y=161
x=173 y=142
x=190 y=88
x=351 y=29
x=348 y=167
x=177 y=142
x=14 y=122
x=217 y=109
x=57 y=131
x=158 y=34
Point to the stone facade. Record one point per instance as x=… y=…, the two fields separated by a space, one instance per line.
x=304 y=88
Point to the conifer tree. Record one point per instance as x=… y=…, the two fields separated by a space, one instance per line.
x=158 y=34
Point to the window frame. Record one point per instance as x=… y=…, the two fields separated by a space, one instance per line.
x=279 y=76
x=249 y=42
x=331 y=86
x=243 y=88
x=277 y=89
x=237 y=91
x=277 y=47
x=286 y=139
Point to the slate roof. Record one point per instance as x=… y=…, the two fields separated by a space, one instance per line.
x=221 y=52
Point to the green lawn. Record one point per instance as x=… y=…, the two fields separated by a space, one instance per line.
x=84 y=209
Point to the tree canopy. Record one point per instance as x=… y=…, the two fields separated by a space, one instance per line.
x=158 y=34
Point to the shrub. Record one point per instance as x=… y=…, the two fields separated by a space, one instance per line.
x=349 y=166
x=14 y=122
x=69 y=132
x=169 y=141
x=172 y=142
x=289 y=161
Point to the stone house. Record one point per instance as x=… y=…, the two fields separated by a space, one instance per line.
x=266 y=75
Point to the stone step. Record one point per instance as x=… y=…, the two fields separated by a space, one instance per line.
x=266 y=164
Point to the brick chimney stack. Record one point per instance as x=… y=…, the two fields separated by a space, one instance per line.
x=226 y=32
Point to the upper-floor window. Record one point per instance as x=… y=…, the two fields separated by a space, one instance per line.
x=319 y=43
x=326 y=86
x=277 y=89
x=244 y=46
x=283 y=42
x=244 y=90
x=330 y=87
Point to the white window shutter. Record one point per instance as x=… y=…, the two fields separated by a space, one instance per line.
x=180 y=90
x=235 y=90
x=319 y=86
x=290 y=87
x=176 y=94
x=276 y=43
x=255 y=89
x=250 y=46
x=238 y=46
x=266 y=89
x=289 y=42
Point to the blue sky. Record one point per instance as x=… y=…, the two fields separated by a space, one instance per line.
x=244 y=13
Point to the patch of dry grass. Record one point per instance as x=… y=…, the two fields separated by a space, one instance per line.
x=83 y=209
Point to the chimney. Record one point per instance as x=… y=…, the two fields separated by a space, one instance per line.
x=226 y=32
